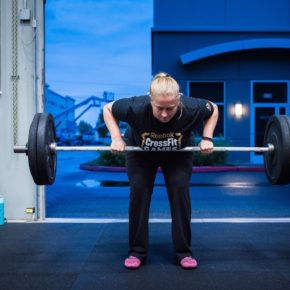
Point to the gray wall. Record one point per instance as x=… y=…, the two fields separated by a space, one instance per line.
x=26 y=57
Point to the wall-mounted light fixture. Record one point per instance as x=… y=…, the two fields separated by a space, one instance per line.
x=238 y=110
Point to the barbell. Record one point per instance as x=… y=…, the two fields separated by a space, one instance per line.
x=41 y=149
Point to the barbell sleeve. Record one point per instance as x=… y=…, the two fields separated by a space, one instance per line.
x=20 y=149
x=55 y=148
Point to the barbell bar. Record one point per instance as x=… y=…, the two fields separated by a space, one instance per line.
x=42 y=149
x=54 y=148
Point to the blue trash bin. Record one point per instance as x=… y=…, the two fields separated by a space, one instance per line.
x=1 y=210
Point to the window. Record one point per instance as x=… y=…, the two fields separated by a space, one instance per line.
x=212 y=91
x=270 y=92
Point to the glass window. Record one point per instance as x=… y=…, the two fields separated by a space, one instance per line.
x=212 y=91
x=270 y=92
x=262 y=116
x=282 y=111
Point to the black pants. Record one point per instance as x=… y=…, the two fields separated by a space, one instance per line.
x=177 y=170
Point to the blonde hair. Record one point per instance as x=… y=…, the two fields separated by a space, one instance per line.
x=164 y=84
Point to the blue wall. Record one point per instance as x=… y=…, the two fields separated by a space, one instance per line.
x=190 y=28
x=222 y=14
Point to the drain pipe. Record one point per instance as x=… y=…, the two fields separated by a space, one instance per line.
x=37 y=23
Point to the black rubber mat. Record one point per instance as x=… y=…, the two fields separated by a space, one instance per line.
x=90 y=256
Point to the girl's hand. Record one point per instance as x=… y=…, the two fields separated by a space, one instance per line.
x=117 y=146
x=206 y=146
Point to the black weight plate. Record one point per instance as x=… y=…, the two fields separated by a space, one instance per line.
x=277 y=163
x=46 y=159
x=288 y=146
x=31 y=146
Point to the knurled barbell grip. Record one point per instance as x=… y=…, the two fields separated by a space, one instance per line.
x=55 y=148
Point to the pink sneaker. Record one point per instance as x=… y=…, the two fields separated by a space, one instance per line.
x=188 y=263
x=132 y=263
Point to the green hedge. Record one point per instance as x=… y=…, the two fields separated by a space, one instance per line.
x=106 y=158
x=215 y=158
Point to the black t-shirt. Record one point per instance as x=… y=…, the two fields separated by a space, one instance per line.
x=149 y=133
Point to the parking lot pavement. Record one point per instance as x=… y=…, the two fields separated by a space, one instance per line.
x=84 y=194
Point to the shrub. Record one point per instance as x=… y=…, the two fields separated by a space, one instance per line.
x=215 y=158
x=106 y=158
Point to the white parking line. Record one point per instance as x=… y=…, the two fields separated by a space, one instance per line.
x=158 y=220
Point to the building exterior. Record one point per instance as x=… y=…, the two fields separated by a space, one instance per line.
x=235 y=53
x=56 y=104
x=66 y=115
